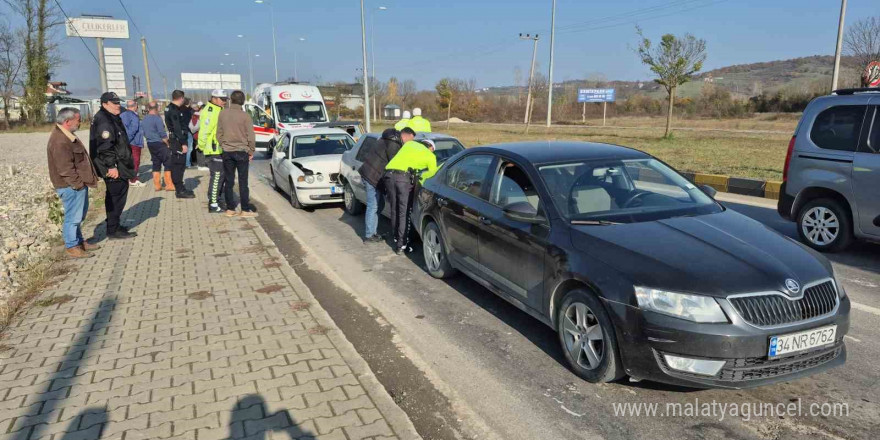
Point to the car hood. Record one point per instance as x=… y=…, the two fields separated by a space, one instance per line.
x=716 y=254
x=324 y=164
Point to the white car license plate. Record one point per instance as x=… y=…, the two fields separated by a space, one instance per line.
x=795 y=342
x=335 y=189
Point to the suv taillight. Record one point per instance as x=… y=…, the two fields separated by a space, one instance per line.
x=788 y=159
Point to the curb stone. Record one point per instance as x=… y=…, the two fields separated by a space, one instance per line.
x=394 y=415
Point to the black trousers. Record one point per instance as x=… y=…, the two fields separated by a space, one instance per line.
x=160 y=155
x=215 y=185
x=399 y=189
x=178 y=166
x=236 y=161
x=114 y=202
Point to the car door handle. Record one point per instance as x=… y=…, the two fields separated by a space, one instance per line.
x=485 y=221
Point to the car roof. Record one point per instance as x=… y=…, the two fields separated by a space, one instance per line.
x=420 y=135
x=562 y=151
x=316 y=130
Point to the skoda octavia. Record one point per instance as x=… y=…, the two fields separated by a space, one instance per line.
x=639 y=271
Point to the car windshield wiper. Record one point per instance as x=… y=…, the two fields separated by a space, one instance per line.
x=594 y=222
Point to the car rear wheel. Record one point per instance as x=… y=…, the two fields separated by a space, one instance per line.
x=587 y=337
x=294 y=200
x=353 y=206
x=824 y=225
x=434 y=251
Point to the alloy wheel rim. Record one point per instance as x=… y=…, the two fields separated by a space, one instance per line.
x=583 y=336
x=347 y=197
x=433 y=250
x=821 y=226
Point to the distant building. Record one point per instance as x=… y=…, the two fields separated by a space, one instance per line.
x=391 y=111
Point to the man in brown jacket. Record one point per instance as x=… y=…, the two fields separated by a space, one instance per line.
x=71 y=173
x=235 y=134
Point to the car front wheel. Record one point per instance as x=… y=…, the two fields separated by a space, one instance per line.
x=353 y=206
x=294 y=200
x=587 y=337
x=435 y=253
x=824 y=225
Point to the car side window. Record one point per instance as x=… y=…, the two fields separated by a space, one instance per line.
x=471 y=174
x=838 y=128
x=284 y=145
x=514 y=186
x=873 y=142
x=366 y=145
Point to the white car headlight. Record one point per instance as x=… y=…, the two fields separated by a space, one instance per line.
x=310 y=179
x=320 y=177
x=695 y=308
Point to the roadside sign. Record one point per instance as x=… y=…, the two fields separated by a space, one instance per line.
x=596 y=95
x=210 y=81
x=115 y=68
x=871 y=77
x=89 y=27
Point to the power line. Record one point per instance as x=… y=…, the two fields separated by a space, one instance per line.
x=149 y=52
x=628 y=14
x=636 y=20
x=78 y=35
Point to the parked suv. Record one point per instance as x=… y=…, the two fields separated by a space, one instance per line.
x=832 y=170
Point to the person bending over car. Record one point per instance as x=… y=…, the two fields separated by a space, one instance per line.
x=412 y=158
x=374 y=158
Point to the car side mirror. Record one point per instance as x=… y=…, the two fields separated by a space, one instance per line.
x=709 y=190
x=280 y=155
x=522 y=212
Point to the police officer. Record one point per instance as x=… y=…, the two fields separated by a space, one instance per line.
x=401 y=124
x=211 y=148
x=177 y=121
x=111 y=156
x=418 y=123
x=413 y=156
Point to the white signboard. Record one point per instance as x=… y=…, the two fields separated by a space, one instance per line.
x=89 y=27
x=210 y=81
x=115 y=71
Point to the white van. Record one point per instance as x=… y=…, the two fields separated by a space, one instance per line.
x=281 y=107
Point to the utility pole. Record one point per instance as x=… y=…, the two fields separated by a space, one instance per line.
x=165 y=84
x=366 y=83
x=147 y=69
x=101 y=64
x=836 y=73
x=531 y=72
x=552 y=46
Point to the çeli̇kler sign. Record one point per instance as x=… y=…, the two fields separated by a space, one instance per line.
x=97 y=28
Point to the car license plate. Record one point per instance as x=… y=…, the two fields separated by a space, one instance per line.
x=795 y=342
x=335 y=189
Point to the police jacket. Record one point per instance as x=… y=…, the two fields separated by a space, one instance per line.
x=413 y=155
x=108 y=146
x=177 y=121
x=208 y=118
x=376 y=155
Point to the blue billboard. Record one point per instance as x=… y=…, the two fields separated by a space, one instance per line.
x=595 y=95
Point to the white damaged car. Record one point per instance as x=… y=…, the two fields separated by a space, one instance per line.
x=305 y=165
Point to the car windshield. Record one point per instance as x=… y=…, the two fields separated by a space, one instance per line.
x=317 y=145
x=446 y=148
x=302 y=111
x=623 y=191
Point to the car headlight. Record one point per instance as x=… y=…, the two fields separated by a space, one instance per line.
x=310 y=179
x=320 y=177
x=695 y=308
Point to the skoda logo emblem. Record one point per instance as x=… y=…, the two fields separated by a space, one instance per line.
x=792 y=286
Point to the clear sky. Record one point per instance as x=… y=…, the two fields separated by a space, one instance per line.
x=425 y=40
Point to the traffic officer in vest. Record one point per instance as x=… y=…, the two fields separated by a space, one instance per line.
x=412 y=159
x=401 y=124
x=418 y=123
x=211 y=148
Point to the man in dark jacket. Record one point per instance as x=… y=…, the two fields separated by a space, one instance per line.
x=111 y=156
x=374 y=156
x=177 y=121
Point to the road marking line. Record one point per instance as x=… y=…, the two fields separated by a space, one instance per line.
x=854 y=339
x=864 y=308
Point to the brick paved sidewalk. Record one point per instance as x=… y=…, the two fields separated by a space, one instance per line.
x=196 y=329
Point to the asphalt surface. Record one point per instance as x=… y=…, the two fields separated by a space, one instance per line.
x=501 y=373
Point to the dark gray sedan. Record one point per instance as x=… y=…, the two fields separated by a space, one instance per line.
x=640 y=272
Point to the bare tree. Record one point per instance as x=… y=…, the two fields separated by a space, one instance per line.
x=674 y=61
x=11 y=64
x=407 y=90
x=862 y=41
x=40 y=51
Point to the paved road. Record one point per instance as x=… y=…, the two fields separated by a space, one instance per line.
x=196 y=328
x=506 y=376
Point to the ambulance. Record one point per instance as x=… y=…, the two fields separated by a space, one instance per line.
x=281 y=107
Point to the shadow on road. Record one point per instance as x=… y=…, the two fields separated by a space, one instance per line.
x=68 y=368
